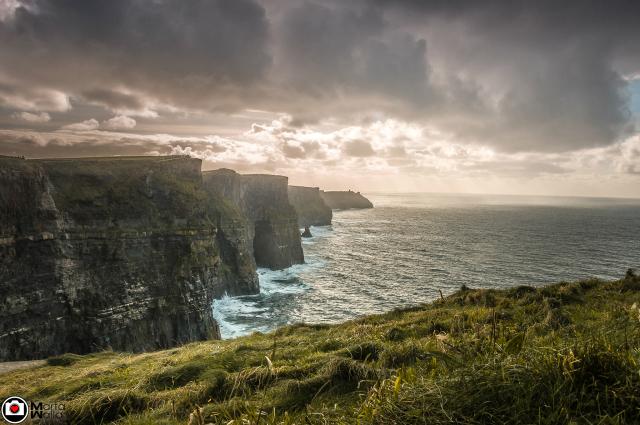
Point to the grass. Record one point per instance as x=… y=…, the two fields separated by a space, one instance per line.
x=127 y=189
x=567 y=353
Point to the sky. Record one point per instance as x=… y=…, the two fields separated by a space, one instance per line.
x=516 y=97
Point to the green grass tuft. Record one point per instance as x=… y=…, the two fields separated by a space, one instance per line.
x=63 y=360
x=176 y=376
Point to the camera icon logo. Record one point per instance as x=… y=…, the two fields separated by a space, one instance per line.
x=15 y=410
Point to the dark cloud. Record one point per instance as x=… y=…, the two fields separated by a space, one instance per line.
x=343 y=59
x=23 y=96
x=181 y=52
x=113 y=99
x=291 y=150
x=632 y=160
x=548 y=74
x=317 y=44
x=358 y=148
x=519 y=76
x=328 y=49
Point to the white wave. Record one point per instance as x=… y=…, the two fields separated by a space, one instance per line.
x=286 y=281
x=317 y=232
x=237 y=316
x=227 y=308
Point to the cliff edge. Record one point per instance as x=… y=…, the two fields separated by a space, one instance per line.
x=310 y=207
x=344 y=200
x=121 y=253
x=272 y=223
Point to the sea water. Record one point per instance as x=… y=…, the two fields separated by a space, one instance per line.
x=412 y=246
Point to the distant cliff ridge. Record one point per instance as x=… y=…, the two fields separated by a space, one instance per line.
x=124 y=253
x=344 y=200
x=272 y=223
x=310 y=207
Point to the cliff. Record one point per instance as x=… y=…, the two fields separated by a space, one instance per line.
x=344 y=200
x=124 y=253
x=272 y=224
x=310 y=207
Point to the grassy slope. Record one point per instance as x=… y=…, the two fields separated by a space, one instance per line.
x=566 y=353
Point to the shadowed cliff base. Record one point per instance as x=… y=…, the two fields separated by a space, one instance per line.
x=564 y=353
x=345 y=200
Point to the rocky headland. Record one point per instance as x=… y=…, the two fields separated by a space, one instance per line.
x=122 y=253
x=344 y=200
x=310 y=207
x=129 y=253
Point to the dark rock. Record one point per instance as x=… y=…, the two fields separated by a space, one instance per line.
x=271 y=221
x=307 y=233
x=124 y=253
x=310 y=207
x=631 y=281
x=341 y=200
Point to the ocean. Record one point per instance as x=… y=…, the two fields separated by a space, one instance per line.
x=410 y=247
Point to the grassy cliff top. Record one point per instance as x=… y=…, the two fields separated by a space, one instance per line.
x=304 y=188
x=345 y=199
x=14 y=163
x=152 y=190
x=565 y=353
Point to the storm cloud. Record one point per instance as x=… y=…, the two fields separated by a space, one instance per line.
x=193 y=53
x=538 y=78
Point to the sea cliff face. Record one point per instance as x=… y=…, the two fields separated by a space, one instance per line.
x=310 y=207
x=113 y=253
x=344 y=200
x=272 y=224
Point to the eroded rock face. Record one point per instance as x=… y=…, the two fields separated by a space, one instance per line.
x=344 y=200
x=113 y=253
x=310 y=207
x=272 y=224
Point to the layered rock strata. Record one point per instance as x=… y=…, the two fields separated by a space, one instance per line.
x=272 y=223
x=124 y=253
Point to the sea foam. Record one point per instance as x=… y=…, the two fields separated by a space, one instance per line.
x=262 y=312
